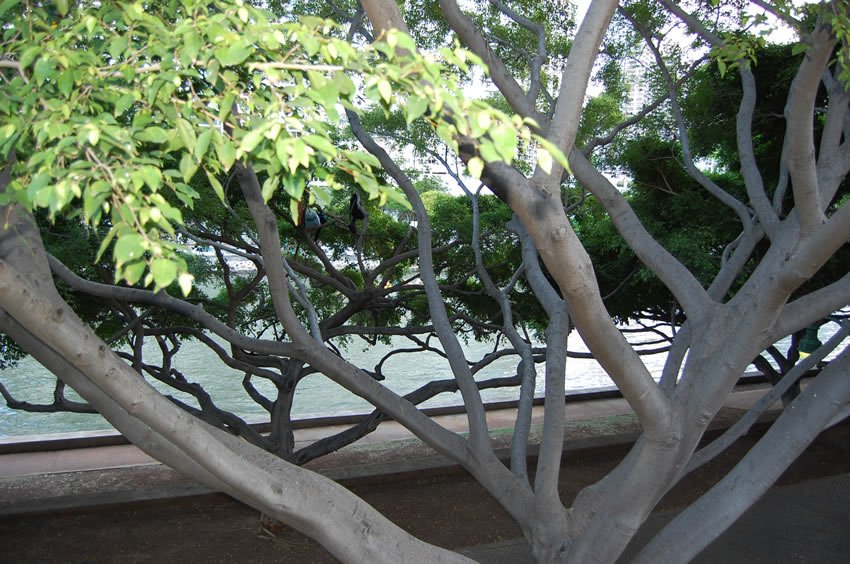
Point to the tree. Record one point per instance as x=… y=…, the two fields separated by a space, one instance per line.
x=116 y=109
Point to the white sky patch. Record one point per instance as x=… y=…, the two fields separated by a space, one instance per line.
x=780 y=32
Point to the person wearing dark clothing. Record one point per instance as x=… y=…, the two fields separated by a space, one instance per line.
x=355 y=211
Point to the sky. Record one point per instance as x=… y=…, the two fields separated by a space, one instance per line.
x=781 y=33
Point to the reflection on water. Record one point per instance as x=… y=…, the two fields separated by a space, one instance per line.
x=316 y=395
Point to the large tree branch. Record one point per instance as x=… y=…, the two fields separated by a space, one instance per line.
x=833 y=162
x=539 y=58
x=482 y=463
x=499 y=73
x=348 y=527
x=140 y=434
x=814 y=251
x=753 y=181
x=565 y=119
x=685 y=287
x=810 y=308
x=735 y=257
x=522 y=427
x=479 y=435
x=384 y=16
x=165 y=301
x=799 y=137
x=554 y=417
x=743 y=425
x=570 y=265
x=693 y=529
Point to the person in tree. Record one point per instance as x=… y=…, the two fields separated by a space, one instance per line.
x=355 y=211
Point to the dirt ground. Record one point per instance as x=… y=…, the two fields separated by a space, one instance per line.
x=446 y=508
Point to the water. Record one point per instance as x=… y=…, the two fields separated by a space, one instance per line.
x=315 y=395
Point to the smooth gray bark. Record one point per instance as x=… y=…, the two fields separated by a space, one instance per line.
x=345 y=525
x=693 y=529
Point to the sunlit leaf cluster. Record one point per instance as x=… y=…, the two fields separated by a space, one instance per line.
x=111 y=109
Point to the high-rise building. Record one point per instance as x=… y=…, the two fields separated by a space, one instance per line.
x=634 y=74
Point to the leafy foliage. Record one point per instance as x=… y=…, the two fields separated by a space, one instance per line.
x=116 y=107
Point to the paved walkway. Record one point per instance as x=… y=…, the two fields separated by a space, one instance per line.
x=808 y=522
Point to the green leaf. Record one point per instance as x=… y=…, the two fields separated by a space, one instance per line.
x=129 y=247
x=185 y=194
x=117 y=46
x=185 y=281
x=7 y=5
x=251 y=140
x=415 y=108
x=483 y=120
x=212 y=72
x=310 y=44
x=43 y=70
x=192 y=45
x=385 y=90
x=544 y=160
x=187 y=133
x=283 y=149
x=554 y=151
x=488 y=151
x=29 y=56
x=216 y=185
x=294 y=186
x=796 y=49
x=226 y=154
x=364 y=157
x=164 y=272
x=152 y=176
x=300 y=156
x=61 y=7
x=226 y=106
x=133 y=271
x=268 y=188
x=37 y=183
x=233 y=54
x=203 y=144
x=188 y=167
x=293 y=211
x=321 y=144
x=123 y=104
x=505 y=140
x=93 y=135
x=401 y=40
x=153 y=135
x=94 y=197
x=476 y=167
x=105 y=243
x=6 y=133
x=344 y=85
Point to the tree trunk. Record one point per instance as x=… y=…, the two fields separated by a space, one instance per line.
x=694 y=528
x=347 y=527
